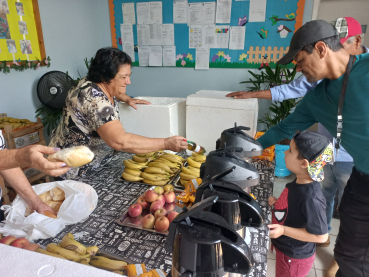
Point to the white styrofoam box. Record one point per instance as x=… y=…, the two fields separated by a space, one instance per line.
x=19 y=262
x=165 y=117
x=209 y=113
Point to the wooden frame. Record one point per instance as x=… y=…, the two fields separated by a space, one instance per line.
x=40 y=36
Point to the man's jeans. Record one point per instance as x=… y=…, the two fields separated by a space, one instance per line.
x=335 y=178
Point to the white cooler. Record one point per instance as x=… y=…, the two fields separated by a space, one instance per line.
x=210 y=112
x=165 y=117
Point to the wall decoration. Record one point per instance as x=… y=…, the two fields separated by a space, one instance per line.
x=25 y=29
x=10 y=43
x=283 y=31
x=4 y=7
x=259 y=38
x=4 y=27
x=19 y=7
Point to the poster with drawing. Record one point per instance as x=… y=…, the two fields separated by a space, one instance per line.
x=23 y=27
x=12 y=48
x=19 y=7
x=4 y=7
x=25 y=46
x=4 y=27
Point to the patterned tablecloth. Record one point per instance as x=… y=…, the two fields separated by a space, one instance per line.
x=140 y=246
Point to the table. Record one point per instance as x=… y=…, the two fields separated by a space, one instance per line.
x=140 y=246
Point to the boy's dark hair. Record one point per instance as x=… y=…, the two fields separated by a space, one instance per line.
x=106 y=63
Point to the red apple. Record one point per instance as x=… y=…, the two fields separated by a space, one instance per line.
x=156 y=206
x=171 y=216
x=141 y=201
x=161 y=198
x=161 y=212
x=148 y=221
x=161 y=224
x=135 y=210
x=170 y=206
x=32 y=246
x=8 y=240
x=151 y=196
x=20 y=243
x=169 y=196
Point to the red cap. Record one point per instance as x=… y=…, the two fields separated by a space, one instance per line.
x=347 y=27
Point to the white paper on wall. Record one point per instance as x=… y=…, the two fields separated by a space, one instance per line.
x=257 y=10
x=180 y=11
x=143 y=13
x=126 y=31
x=202 y=58
x=156 y=12
x=223 y=11
x=129 y=49
x=156 y=54
x=169 y=56
x=237 y=37
x=143 y=34
x=129 y=13
x=167 y=34
x=143 y=55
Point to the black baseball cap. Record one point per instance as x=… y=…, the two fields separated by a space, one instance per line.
x=317 y=149
x=309 y=33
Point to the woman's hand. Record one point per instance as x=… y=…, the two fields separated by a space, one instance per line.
x=272 y=200
x=175 y=143
x=39 y=206
x=133 y=102
x=275 y=230
x=33 y=156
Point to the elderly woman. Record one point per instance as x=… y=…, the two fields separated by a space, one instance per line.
x=91 y=115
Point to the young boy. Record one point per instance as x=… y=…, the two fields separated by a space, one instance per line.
x=299 y=217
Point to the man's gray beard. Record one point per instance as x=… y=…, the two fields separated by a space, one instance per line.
x=311 y=79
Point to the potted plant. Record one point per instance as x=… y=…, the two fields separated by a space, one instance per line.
x=280 y=110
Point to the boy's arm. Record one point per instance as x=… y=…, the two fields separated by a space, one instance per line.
x=277 y=230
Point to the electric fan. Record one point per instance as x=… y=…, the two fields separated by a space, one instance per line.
x=52 y=89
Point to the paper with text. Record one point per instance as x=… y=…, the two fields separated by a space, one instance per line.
x=155 y=58
x=257 y=10
x=180 y=11
x=167 y=34
x=237 y=37
x=129 y=15
x=126 y=31
x=129 y=49
x=156 y=12
x=223 y=12
x=143 y=13
x=143 y=55
x=169 y=56
x=202 y=58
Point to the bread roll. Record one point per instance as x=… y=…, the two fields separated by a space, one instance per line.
x=55 y=205
x=50 y=214
x=57 y=194
x=74 y=156
x=45 y=196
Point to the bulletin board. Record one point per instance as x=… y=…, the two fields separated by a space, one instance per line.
x=265 y=42
x=21 y=36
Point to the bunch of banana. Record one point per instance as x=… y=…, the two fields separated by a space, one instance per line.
x=15 y=122
x=107 y=264
x=68 y=254
x=69 y=243
x=193 y=169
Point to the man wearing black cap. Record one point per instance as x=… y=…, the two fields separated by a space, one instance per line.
x=340 y=103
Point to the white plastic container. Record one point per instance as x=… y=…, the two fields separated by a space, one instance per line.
x=210 y=112
x=165 y=117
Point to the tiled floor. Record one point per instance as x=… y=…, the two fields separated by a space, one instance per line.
x=323 y=256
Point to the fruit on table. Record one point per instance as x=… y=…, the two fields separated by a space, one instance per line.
x=161 y=199
x=160 y=165
x=151 y=196
x=8 y=240
x=133 y=165
x=194 y=169
x=169 y=196
x=155 y=177
x=161 y=224
x=85 y=258
x=199 y=158
x=73 y=245
x=43 y=251
x=168 y=163
x=131 y=178
x=156 y=206
x=32 y=246
x=155 y=183
x=183 y=182
x=68 y=254
x=20 y=243
x=141 y=201
x=185 y=176
x=172 y=158
x=147 y=155
x=159 y=190
x=139 y=159
x=168 y=187
x=190 y=172
x=193 y=163
x=92 y=250
x=148 y=221
x=133 y=172
x=170 y=206
x=160 y=212
x=105 y=263
x=172 y=215
x=135 y=210
x=155 y=170
x=85 y=262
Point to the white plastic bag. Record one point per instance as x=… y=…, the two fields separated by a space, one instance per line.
x=80 y=201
